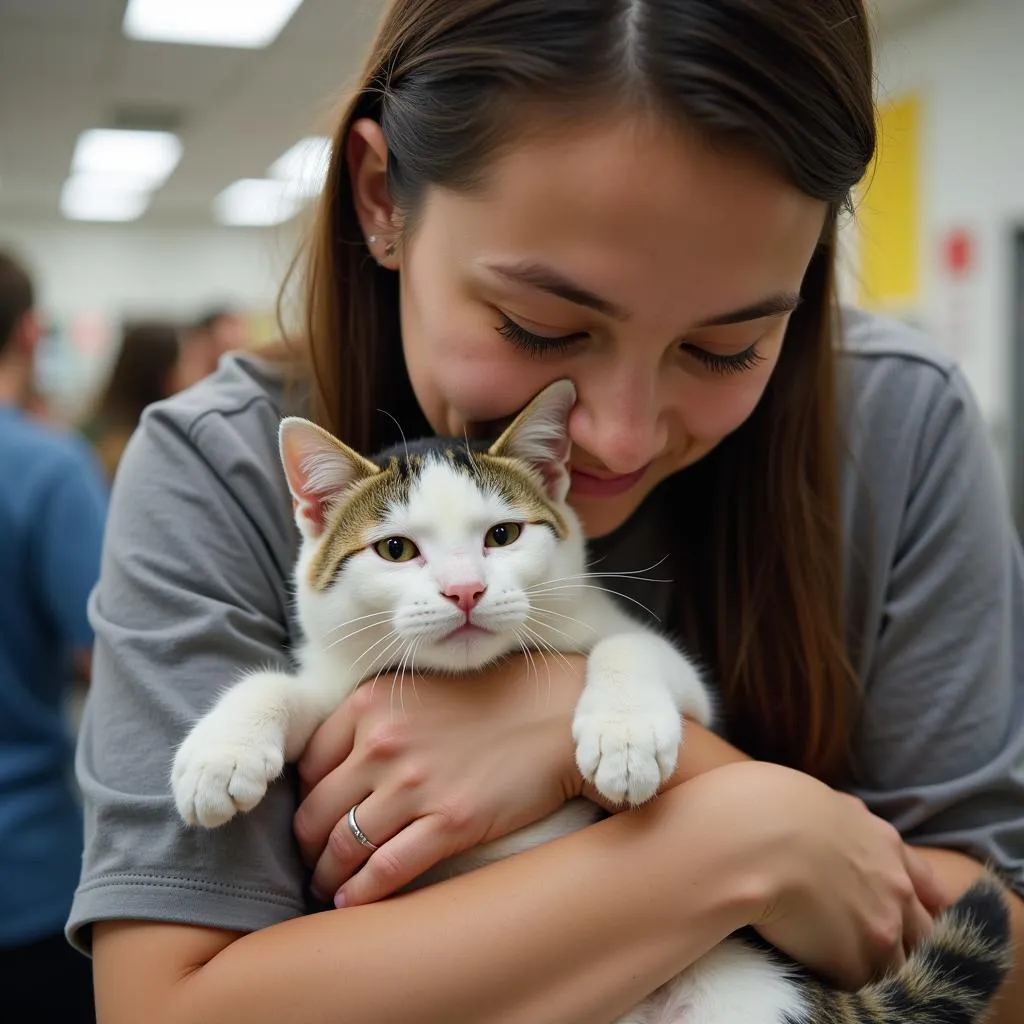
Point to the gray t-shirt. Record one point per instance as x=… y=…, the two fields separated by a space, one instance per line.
x=194 y=586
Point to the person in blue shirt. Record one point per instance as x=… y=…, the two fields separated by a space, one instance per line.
x=52 y=511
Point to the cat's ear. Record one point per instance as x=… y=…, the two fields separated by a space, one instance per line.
x=539 y=436
x=319 y=468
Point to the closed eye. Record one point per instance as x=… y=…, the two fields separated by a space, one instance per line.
x=537 y=344
x=736 y=362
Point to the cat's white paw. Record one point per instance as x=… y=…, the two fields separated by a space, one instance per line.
x=215 y=778
x=626 y=752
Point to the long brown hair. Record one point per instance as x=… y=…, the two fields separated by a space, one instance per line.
x=142 y=374
x=787 y=80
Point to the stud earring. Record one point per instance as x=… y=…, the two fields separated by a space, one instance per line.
x=372 y=240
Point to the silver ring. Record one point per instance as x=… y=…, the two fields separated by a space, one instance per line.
x=360 y=835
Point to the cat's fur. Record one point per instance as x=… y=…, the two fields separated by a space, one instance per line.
x=362 y=614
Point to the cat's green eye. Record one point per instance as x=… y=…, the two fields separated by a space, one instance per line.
x=396 y=549
x=502 y=535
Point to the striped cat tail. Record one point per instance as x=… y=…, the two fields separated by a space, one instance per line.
x=950 y=978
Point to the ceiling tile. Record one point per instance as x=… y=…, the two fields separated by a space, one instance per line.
x=63 y=15
x=177 y=76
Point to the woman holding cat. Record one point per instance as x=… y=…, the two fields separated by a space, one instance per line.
x=642 y=196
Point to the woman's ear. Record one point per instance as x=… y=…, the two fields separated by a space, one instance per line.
x=367 y=156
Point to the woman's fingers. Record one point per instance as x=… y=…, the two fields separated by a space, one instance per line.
x=379 y=820
x=917 y=926
x=398 y=862
x=324 y=808
x=331 y=743
x=926 y=882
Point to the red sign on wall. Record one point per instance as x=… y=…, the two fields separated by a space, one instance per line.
x=958 y=252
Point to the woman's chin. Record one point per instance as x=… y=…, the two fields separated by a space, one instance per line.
x=601 y=516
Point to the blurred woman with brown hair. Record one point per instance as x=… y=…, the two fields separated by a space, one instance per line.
x=145 y=371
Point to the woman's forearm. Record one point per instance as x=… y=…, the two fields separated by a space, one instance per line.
x=577 y=930
x=957 y=872
x=702 y=751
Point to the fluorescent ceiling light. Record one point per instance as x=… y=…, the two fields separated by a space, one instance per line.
x=256 y=202
x=94 y=197
x=140 y=159
x=248 y=24
x=304 y=166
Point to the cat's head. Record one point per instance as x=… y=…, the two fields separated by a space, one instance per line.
x=438 y=551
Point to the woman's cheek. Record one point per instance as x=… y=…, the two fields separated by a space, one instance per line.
x=464 y=377
x=712 y=411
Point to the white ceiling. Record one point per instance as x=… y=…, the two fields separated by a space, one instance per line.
x=65 y=66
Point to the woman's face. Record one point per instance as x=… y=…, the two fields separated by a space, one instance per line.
x=655 y=272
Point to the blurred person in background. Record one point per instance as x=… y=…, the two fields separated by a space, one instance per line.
x=148 y=368
x=52 y=511
x=217 y=332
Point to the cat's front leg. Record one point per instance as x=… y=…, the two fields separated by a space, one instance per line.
x=239 y=747
x=628 y=724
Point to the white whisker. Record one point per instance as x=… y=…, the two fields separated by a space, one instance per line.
x=605 y=590
x=413 y=672
x=386 y=660
x=405 y=443
x=633 y=574
x=396 y=680
x=562 y=615
x=532 y=663
x=406 y=661
x=543 y=648
x=355 y=632
x=387 y=636
x=554 y=629
x=538 y=639
x=350 y=622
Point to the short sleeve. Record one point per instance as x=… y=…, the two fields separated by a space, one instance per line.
x=66 y=535
x=192 y=589
x=941 y=747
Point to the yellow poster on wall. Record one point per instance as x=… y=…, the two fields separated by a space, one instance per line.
x=888 y=210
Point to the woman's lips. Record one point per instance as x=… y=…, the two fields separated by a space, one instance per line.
x=589 y=485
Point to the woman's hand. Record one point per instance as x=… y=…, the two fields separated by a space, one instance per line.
x=456 y=762
x=844 y=895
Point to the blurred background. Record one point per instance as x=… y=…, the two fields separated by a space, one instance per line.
x=196 y=218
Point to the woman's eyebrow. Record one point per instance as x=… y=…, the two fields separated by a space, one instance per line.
x=771 y=305
x=547 y=279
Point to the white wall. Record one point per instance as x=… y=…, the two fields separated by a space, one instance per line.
x=132 y=270
x=964 y=63
x=107 y=274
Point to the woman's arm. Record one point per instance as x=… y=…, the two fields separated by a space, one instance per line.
x=469 y=760
x=563 y=933
x=954 y=872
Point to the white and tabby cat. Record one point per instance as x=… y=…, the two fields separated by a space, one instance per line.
x=444 y=558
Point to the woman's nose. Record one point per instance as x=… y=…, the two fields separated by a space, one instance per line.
x=623 y=429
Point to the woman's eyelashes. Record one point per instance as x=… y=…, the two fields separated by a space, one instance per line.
x=735 y=362
x=545 y=345
x=537 y=344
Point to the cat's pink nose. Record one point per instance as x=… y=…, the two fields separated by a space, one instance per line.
x=464 y=595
